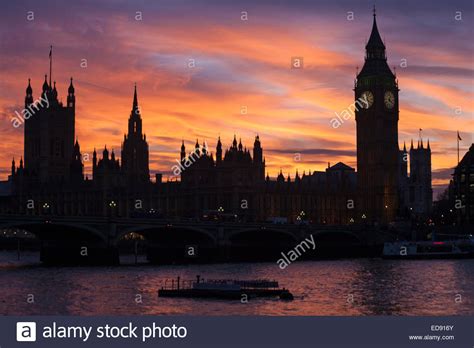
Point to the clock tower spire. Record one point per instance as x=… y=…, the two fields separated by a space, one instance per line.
x=376 y=91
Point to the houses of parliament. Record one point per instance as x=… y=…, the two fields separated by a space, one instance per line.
x=49 y=179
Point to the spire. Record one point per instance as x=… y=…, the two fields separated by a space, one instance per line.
x=375 y=57
x=219 y=151
x=404 y=147
x=375 y=44
x=234 y=143
x=421 y=142
x=428 y=145
x=183 y=151
x=135 y=109
x=29 y=90
x=411 y=147
x=135 y=98
x=70 y=90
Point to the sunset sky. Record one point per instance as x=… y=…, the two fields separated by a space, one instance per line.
x=239 y=64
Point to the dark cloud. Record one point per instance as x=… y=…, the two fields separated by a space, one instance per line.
x=440 y=70
x=326 y=152
x=443 y=174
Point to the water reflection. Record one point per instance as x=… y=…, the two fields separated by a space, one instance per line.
x=345 y=287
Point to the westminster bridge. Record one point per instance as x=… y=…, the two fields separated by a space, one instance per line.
x=96 y=240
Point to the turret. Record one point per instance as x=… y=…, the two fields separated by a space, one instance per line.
x=219 y=151
x=257 y=150
x=45 y=85
x=204 y=149
x=54 y=92
x=183 y=151
x=105 y=153
x=71 y=98
x=94 y=163
x=29 y=94
x=13 y=166
x=77 y=167
x=280 y=177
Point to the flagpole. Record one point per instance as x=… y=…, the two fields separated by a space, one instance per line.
x=457 y=138
x=50 y=65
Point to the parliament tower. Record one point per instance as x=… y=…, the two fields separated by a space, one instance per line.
x=49 y=135
x=135 y=165
x=376 y=89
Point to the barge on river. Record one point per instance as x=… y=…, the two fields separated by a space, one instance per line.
x=223 y=289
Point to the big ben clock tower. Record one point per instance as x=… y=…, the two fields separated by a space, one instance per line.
x=376 y=90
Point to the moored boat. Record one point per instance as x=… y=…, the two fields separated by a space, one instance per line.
x=223 y=289
x=458 y=248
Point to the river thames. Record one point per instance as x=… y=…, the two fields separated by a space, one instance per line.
x=354 y=287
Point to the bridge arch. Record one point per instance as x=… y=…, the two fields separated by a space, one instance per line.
x=167 y=243
x=149 y=231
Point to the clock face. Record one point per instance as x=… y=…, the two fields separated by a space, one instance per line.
x=367 y=99
x=389 y=100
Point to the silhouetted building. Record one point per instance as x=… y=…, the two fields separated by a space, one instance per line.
x=416 y=193
x=376 y=94
x=135 y=149
x=232 y=183
x=49 y=136
x=462 y=189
